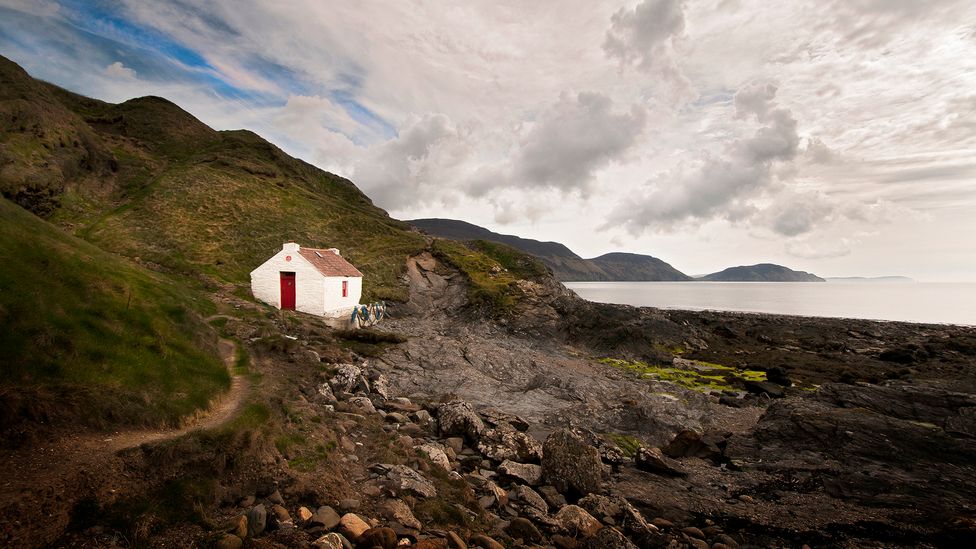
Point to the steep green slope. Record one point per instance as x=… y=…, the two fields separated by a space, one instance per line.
x=94 y=338
x=186 y=198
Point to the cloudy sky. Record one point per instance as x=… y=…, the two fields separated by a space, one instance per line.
x=835 y=136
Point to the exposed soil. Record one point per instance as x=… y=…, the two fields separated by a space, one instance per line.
x=42 y=482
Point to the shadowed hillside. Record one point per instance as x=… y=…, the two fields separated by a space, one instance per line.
x=89 y=337
x=146 y=179
x=565 y=264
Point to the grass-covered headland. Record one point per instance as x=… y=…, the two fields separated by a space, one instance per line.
x=89 y=335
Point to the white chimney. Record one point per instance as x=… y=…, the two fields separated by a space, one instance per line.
x=335 y=251
x=290 y=246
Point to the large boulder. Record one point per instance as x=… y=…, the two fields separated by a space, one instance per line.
x=352 y=526
x=435 y=452
x=525 y=472
x=576 y=522
x=457 y=418
x=398 y=511
x=570 y=465
x=405 y=481
x=382 y=538
x=349 y=378
x=505 y=442
x=607 y=538
x=325 y=517
x=531 y=498
x=257 y=520
x=690 y=443
x=654 y=461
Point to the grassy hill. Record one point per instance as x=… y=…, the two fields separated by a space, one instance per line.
x=147 y=180
x=91 y=338
x=763 y=272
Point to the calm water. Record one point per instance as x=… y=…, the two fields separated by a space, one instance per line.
x=944 y=303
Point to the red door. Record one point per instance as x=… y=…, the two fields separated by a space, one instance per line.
x=288 y=291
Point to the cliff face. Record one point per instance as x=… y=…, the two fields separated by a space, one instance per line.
x=763 y=272
x=565 y=264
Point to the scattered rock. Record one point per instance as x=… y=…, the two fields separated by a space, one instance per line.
x=690 y=443
x=652 y=460
x=347 y=379
x=431 y=543
x=564 y=542
x=454 y=541
x=457 y=418
x=229 y=541
x=552 y=496
x=455 y=443
x=727 y=541
x=435 y=452
x=496 y=418
x=326 y=517
x=352 y=527
x=505 y=443
x=531 y=498
x=383 y=538
x=238 y=526
x=349 y=505
x=304 y=514
x=633 y=522
x=526 y=472
x=275 y=498
x=522 y=528
x=496 y=492
x=362 y=405
x=662 y=523
x=407 y=480
x=257 y=520
x=381 y=386
x=607 y=538
x=398 y=511
x=764 y=388
x=693 y=532
x=326 y=391
x=600 y=507
x=331 y=540
x=570 y=465
x=485 y=542
x=779 y=376
x=577 y=522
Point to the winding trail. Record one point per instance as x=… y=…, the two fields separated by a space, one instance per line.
x=40 y=484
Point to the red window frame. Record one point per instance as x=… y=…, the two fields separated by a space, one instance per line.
x=345 y=288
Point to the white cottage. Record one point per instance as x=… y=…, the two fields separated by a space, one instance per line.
x=319 y=282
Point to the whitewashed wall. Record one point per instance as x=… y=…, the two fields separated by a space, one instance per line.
x=335 y=304
x=310 y=285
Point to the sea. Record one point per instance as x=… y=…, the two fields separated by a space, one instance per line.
x=926 y=302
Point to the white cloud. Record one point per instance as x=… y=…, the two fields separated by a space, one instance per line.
x=702 y=123
x=120 y=71
x=573 y=139
x=813 y=249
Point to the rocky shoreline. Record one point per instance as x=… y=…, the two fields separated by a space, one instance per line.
x=571 y=424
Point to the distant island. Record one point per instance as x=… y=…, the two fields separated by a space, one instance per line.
x=870 y=279
x=763 y=272
x=565 y=264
